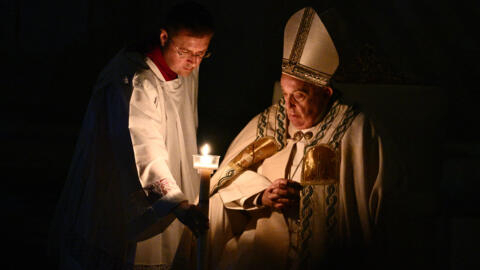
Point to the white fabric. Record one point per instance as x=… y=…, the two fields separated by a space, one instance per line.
x=162 y=123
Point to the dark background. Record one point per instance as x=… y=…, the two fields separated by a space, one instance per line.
x=411 y=64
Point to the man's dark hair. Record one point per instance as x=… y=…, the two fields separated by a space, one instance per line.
x=187 y=15
x=191 y=16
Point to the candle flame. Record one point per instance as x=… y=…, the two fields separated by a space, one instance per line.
x=205 y=149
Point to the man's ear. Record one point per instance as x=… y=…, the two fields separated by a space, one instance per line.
x=328 y=91
x=163 y=37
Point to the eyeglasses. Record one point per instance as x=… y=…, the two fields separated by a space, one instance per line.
x=184 y=53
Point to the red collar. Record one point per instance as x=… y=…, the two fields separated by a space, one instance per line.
x=157 y=58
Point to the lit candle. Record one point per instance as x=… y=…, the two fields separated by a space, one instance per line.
x=205 y=165
x=205 y=161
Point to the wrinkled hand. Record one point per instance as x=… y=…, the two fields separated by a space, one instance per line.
x=281 y=193
x=192 y=217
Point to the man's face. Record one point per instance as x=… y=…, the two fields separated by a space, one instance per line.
x=184 y=51
x=304 y=102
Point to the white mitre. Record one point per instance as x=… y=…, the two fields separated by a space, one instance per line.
x=308 y=50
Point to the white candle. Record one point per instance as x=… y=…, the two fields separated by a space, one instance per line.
x=205 y=165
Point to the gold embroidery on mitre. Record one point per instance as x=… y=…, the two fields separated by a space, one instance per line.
x=303 y=30
x=292 y=66
x=320 y=166
x=305 y=73
x=302 y=34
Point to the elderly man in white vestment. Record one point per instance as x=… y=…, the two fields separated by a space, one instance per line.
x=301 y=185
x=126 y=199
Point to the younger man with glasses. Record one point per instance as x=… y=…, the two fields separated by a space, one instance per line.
x=132 y=172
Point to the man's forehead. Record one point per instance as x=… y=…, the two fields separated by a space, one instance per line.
x=293 y=83
x=187 y=33
x=186 y=40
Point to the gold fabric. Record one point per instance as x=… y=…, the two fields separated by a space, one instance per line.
x=320 y=166
x=254 y=153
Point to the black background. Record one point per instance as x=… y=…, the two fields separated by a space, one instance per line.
x=413 y=65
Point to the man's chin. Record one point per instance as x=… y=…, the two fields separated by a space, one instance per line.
x=298 y=123
x=294 y=121
x=185 y=72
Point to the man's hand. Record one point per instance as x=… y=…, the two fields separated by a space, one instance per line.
x=281 y=193
x=192 y=217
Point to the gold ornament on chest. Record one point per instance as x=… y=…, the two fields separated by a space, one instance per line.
x=320 y=166
x=299 y=135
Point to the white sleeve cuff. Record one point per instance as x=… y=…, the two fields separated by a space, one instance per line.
x=241 y=191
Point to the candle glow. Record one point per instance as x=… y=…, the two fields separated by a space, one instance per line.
x=205 y=161
x=205 y=149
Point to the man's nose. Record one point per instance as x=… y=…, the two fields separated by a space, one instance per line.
x=289 y=102
x=194 y=60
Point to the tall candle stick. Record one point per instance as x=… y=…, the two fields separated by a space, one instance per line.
x=205 y=165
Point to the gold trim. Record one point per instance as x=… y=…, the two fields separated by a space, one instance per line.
x=305 y=73
x=302 y=35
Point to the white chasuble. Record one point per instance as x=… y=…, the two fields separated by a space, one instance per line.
x=246 y=236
